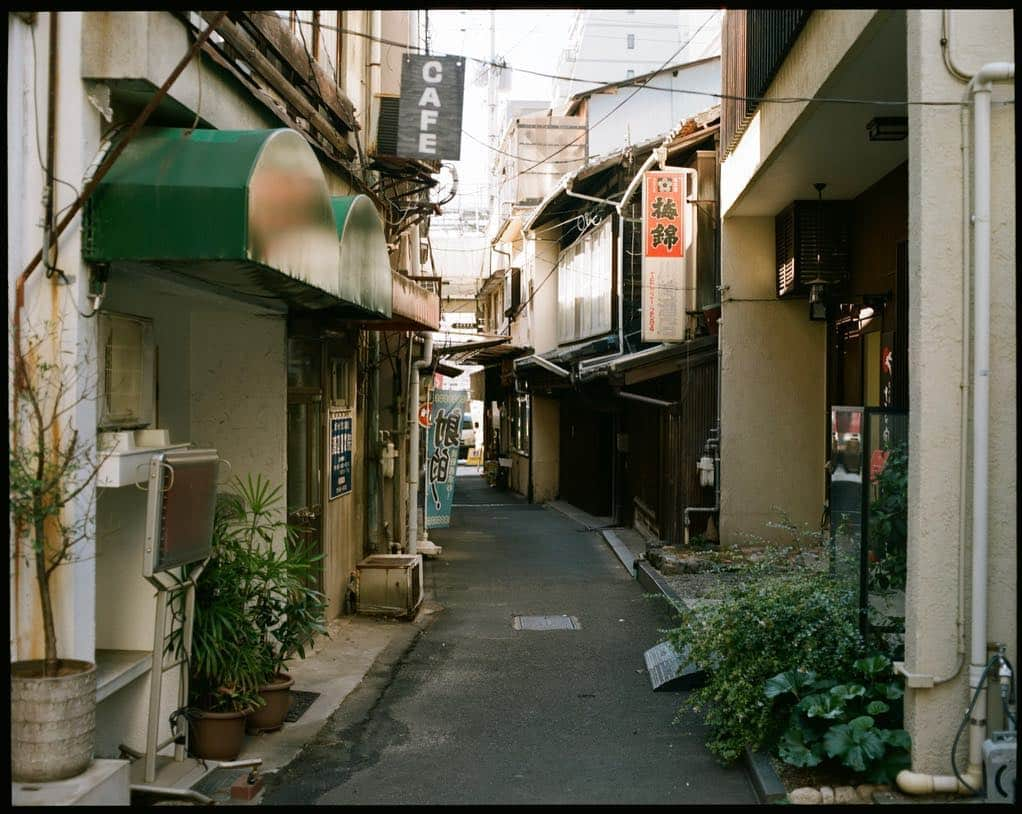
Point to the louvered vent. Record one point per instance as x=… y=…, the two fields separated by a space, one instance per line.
x=386 y=134
x=812 y=241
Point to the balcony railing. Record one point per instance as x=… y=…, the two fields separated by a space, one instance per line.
x=754 y=43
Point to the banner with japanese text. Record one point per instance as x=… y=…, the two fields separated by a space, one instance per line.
x=443 y=437
x=667 y=257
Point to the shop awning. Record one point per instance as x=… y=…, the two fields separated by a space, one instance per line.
x=366 y=281
x=414 y=307
x=653 y=362
x=247 y=212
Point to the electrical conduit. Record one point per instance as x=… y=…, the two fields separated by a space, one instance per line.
x=980 y=89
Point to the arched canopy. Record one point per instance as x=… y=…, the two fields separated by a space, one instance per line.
x=247 y=211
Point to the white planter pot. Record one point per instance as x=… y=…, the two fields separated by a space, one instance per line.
x=53 y=720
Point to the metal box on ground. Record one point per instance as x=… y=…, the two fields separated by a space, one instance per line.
x=390 y=584
x=999 y=757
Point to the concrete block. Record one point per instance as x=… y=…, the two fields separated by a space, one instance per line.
x=105 y=782
x=241 y=789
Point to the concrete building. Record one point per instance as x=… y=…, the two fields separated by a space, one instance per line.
x=227 y=284
x=868 y=262
x=611 y=45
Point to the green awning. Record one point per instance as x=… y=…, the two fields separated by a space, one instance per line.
x=248 y=211
x=365 y=263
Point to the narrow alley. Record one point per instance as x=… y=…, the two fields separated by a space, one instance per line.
x=480 y=712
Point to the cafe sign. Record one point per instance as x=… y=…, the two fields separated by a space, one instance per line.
x=429 y=113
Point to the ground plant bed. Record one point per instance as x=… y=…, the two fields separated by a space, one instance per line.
x=697 y=576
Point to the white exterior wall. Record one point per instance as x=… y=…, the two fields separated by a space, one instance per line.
x=46 y=301
x=599 y=50
x=650 y=113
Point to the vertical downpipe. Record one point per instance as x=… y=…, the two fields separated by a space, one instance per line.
x=373 y=512
x=413 y=439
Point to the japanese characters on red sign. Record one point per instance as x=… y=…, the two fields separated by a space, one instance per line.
x=662 y=215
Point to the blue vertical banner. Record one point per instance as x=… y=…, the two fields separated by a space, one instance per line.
x=443 y=438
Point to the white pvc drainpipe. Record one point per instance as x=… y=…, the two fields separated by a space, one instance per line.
x=413 y=441
x=980 y=88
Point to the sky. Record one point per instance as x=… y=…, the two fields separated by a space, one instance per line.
x=523 y=38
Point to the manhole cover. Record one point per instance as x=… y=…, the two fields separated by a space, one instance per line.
x=560 y=622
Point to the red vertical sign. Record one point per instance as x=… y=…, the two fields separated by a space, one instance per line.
x=663 y=223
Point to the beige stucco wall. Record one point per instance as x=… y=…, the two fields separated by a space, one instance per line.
x=773 y=399
x=221 y=382
x=546 y=450
x=937 y=230
x=541 y=252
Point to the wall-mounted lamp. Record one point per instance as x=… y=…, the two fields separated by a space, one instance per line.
x=817 y=299
x=887 y=128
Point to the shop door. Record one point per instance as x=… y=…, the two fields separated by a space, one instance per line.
x=305 y=453
x=586 y=459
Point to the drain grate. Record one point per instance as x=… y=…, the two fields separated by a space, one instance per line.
x=217 y=783
x=300 y=701
x=560 y=622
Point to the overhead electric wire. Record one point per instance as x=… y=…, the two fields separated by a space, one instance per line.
x=598 y=83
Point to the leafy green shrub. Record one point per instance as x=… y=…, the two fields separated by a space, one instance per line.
x=779 y=618
x=856 y=724
x=888 y=523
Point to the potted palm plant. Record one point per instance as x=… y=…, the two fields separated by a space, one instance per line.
x=288 y=608
x=228 y=661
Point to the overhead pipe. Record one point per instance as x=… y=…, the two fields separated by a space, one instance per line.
x=413 y=437
x=980 y=89
x=546 y=364
x=647 y=399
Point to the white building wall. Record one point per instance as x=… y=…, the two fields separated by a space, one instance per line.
x=648 y=112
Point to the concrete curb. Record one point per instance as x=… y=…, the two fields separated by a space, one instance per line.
x=622 y=551
x=767 y=785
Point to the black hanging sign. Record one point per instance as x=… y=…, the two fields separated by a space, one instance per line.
x=340 y=452
x=429 y=115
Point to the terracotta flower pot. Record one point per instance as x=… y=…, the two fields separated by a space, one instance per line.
x=270 y=716
x=217 y=735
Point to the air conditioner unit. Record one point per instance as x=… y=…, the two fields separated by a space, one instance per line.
x=512 y=291
x=389 y=584
x=127 y=381
x=812 y=243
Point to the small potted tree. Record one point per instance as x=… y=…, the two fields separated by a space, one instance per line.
x=53 y=699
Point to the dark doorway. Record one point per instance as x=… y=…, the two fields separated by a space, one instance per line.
x=586 y=458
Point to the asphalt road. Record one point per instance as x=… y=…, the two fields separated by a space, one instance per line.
x=477 y=711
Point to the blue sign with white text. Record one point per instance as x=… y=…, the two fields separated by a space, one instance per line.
x=442 y=441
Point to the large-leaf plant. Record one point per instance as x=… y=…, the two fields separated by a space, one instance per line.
x=854 y=723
